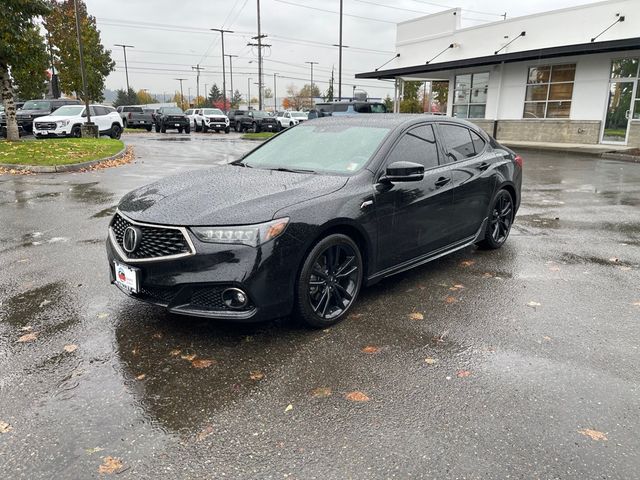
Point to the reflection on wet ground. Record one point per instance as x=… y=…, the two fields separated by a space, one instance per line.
x=477 y=365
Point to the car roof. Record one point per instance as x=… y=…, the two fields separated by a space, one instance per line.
x=387 y=120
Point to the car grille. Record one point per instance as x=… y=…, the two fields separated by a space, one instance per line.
x=45 y=125
x=210 y=298
x=176 y=119
x=269 y=120
x=158 y=294
x=216 y=119
x=156 y=242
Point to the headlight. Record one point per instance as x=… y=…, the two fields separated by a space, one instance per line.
x=62 y=123
x=252 y=235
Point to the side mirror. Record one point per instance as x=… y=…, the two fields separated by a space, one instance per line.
x=403 y=172
x=84 y=114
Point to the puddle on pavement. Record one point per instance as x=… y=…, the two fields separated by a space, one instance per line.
x=173 y=139
x=575 y=259
x=89 y=192
x=107 y=212
x=22 y=309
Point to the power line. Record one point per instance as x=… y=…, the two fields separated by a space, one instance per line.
x=334 y=12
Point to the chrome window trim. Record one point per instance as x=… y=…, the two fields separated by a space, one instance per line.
x=124 y=256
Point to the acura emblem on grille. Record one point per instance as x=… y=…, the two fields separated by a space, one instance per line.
x=131 y=239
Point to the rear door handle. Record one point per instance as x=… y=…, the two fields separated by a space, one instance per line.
x=483 y=166
x=442 y=181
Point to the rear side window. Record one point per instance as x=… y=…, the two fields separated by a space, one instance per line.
x=362 y=108
x=418 y=145
x=478 y=142
x=458 y=140
x=101 y=111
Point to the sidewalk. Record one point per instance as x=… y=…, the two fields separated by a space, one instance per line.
x=592 y=149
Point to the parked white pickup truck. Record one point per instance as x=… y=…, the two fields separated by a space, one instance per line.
x=213 y=119
x=66 y=121
x=289 y=119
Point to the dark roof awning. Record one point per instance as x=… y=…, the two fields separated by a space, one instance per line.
x=538 y=54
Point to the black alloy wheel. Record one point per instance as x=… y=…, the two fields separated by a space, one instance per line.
x=500 y=221
x=329 y=281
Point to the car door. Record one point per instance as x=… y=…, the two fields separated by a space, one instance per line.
x=413 y=217
x=97 y=119
x=473 y=177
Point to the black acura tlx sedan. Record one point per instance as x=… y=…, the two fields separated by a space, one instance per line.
x=302 y=222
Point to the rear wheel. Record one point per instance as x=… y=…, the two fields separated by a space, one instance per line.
x=227 y=130
x=329 y=281
x=500 y=221
x=124 y=122
x=157 y=128
x=236 y=127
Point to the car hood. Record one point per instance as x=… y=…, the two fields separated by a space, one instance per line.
x=24 y=113
x=50 y=118
x=226 y=195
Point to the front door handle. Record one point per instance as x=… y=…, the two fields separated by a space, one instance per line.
x=442 y=181
x=483 y=166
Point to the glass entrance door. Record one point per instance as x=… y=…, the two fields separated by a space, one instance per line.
x=619 y=111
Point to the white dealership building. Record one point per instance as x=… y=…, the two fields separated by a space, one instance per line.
x=568 y=75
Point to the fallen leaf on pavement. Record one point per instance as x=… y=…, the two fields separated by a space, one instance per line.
x=554 y=268
x=110 y=465
x=636 y=304
x=487 y=275
x=5 y=427
x=321 y=392
x=546 y=338
x=142 y=376
x=157 y=335
x=93 y=450
x=44 y=303
x=355 y=316
x=416 y=316
x=256 y=375
x=201 y=363
x=614 y=259
x=29 y=337
x=467 y=263
x=370 y=349
x=463 y=373
x=356 y=397
x=70 y=348
x=103 y=315
x=450 y=299
x=289 y=408
x=175 y=353
x=593 y=434
x=28 y=328
x=533 y=304
x=430 y=361
x=208 y=430
x=191 y=357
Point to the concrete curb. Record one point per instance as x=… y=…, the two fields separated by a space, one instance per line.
x=63 y=168
x=622 y=157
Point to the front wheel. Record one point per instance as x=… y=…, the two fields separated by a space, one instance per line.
x=500 y=221
x=205 y=129
x=236 y=127
x=227 y=130
x=116 y=131
x=76 y=131
x=157 y=128
x=187 y=129
x=179 y=129
x=329 y=281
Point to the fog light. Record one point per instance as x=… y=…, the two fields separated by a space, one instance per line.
x=235 y=298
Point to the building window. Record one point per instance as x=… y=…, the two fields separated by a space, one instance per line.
x=624 y=68
x=549 y=91
x=470 y=95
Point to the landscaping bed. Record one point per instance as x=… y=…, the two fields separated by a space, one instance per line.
x=258 y=136
x=59 y=151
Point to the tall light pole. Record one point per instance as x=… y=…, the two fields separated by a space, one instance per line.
x=224 y=75
x=231 y=57
x=275 y=92
x=181 y=94
x=340 y=58
x=311 y=91
x=206 y=94
x=259 y=59
x=197 y=68
x=82 y=71
x=126 y=69
x=249 y=93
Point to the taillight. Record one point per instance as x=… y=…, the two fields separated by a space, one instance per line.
x=518 y=160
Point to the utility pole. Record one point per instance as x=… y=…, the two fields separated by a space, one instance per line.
x=249 y=93
x=83 y=73
x=189 y=96
x=197 y=68
x=231 y=57
x=259 y=59
x=224 y=75
x=181 y=95
x=206 y=95
x=311 y=91
x=126 y=68
x=340 y=57
x=275 y=93
x=55 y=86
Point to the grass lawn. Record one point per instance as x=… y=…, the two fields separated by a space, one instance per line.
x=258 y=136
x=58 y=151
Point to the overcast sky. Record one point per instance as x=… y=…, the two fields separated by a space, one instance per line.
x=171 y=36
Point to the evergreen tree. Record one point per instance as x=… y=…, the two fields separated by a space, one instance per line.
x=126 y=98
x=236 y=99
x=328 y=96
x=215 y=95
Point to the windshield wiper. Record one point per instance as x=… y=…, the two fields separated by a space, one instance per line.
x=293 y=170
x=241 y=164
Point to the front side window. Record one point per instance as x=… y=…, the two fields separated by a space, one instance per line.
x=458 y=140
x=470 y=95
x=549 y=91
x=418 y=145
x=68 y=111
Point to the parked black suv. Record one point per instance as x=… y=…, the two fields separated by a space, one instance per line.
x=233 y=115
x=328 y=109
x=257 y=121
x=171 y=118
x=33 y=109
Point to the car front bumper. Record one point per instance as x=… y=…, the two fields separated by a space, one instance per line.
x=193 y=284
x=215 y=124
x=53 y=133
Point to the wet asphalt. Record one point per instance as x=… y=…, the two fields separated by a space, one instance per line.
x=517 y=363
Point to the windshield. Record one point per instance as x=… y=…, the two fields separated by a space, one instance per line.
x=259 y=114
x=298 y=115
x=174 y=110
x=378 y=108
x=212 y=111
x=36 y=105
x=68 y=111
x=320 y=148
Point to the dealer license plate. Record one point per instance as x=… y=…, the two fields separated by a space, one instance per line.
x=176 y=124
x=127 y=277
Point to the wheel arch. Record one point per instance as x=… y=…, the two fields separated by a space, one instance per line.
x=511 y=188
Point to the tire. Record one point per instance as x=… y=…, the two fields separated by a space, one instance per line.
x=163 y=129
x=39 y=137
x=116 y=131
x=124 y=123
x=227 y=130
x=187 y=129
x=291 y=124
x=148 y=129
x=255 y=128
x=500 y=221
x=205 y=129
x=76 y=132
x=217 y=131
x=195 y=126
x=329 y=281
x=278 y=127
x=236 y=127
x=157 y=128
